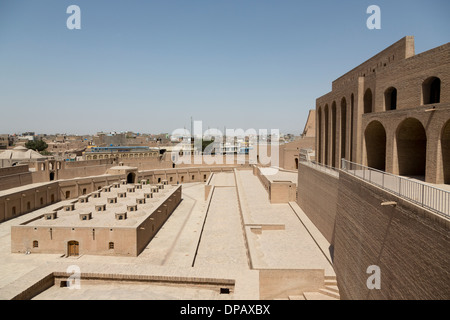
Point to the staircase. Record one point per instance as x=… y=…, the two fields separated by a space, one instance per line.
x=330 y=291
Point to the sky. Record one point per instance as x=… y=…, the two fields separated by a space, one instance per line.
x=148 y=66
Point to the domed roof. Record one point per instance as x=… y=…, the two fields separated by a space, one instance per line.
x=21 y=153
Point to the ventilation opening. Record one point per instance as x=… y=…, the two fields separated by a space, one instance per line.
x=64 y=284
x=224 y=291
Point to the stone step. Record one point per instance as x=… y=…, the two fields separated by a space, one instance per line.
x=329 y=293
x=331 y=282
x=296 y=298
x=332 y=288
x=317 y=296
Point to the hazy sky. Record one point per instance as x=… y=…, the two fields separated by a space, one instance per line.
x=148 y=66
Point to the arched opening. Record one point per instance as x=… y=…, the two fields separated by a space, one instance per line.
x=333 y=135
x=35 y=244
x=320 y=155
x=111 y=245
x=431 y=90
x=73 y=248
x=368 y=101
x=67 y=194
x=131 y=177
x=343 y=126
x=296 y=163
x=375 y=138
x=445 y=145
x=411 y=148
x=326 y=136
x=390 y=99
x=352 y=106
x=52 y=176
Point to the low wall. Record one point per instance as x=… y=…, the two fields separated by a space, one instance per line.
x=410 y=245
x=278 y=191
x=282 y=283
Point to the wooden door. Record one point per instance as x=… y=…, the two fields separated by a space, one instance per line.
x=73 y=248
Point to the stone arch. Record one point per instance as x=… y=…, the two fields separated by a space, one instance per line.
x=390 y=99
x=320 y=137
x=411 y=141
x=445 y=146
x=326 y=115
x=352 y=111
x=343 y=127
x=333 y=134
x=131 y=177
x=431 y=90
x=375 y=139
x=368 y=101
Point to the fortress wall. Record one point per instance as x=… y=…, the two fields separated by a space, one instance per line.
x=408 y=243
x=11 y=177
x=317 y=195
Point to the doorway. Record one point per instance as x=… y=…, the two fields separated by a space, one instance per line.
x=73 y=248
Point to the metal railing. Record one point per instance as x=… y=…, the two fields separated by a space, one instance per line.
x=422 y=194
x=321 y=167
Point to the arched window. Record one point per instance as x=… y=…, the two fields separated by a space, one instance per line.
x=368 y=101
x=390 y=99
x=35 y=244
x=431 y=90
x=111 y=245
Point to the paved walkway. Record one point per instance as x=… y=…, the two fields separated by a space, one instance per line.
x=275 y=248
x=222 y=241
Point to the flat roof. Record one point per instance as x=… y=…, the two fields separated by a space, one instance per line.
x=107 y=218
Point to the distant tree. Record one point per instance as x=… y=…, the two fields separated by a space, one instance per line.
x=36 y=145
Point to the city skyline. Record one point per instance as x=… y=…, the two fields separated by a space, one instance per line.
x=150 y=67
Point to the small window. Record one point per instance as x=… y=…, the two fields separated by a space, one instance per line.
x=67 y=194
x=193 y=177
x=84 y=191
x=111 y=245
x=28 y=206
x=13 y=211
x=35 y=244
x=42 y=201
